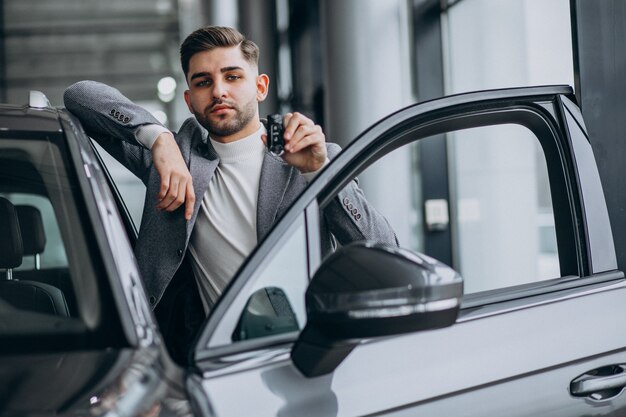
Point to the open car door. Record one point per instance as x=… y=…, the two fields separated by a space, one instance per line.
x=524 y=343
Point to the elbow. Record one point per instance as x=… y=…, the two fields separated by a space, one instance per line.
x=77 y=92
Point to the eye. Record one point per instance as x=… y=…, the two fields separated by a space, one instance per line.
x=233 y=77
x=203 y=83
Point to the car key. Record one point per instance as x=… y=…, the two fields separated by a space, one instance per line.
x=275 y=131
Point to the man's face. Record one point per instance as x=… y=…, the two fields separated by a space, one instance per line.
x=224 y=91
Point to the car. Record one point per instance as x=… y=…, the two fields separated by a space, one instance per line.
x=369 y=330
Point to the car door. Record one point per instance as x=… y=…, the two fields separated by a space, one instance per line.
x=525 y=343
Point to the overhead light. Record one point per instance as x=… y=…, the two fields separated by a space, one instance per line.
x=166 y=89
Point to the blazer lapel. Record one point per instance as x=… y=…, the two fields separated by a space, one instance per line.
x=275 y=176
x=203 y=161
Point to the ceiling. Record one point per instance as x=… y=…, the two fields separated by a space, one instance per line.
x=47 y=45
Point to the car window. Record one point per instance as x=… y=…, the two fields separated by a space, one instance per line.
x=53 y=283
x=272 y=300
x=499 y=209
x=500 y=213
x=53 y=252
x=132 y=191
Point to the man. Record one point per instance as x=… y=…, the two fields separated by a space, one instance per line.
x=216 y=195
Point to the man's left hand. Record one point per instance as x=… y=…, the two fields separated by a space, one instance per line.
x=305 y=143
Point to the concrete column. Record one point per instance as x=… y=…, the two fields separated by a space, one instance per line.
x=257 y=21
x=366 y=63
x=366 y=52
x=192 y=15
x=223 y=13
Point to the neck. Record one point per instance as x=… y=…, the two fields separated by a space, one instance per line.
x=247 y=130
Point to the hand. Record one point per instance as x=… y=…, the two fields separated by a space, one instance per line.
x=176 y=185
x=305 y=143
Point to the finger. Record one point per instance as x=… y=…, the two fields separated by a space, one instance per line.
x=165 y=185
x=303 y=144
x=179 y=199
x=286 y=118
x=302 y=133
x=190 y=200
x=172 y=192
x=293 y=123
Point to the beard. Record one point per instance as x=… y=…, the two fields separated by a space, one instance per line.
x=225 y=126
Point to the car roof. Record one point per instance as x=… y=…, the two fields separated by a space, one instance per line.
x=28 y=119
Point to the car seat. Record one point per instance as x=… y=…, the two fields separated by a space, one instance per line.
x=31 y=228
x=25 y=295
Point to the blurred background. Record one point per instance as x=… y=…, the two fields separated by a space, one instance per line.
x=346 y=64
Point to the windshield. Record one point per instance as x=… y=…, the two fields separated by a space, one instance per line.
x=51 y=284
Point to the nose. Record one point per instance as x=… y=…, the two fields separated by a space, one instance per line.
x=219 y=89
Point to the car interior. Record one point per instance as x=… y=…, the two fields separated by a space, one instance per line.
x=34 y=266
x=25 y=294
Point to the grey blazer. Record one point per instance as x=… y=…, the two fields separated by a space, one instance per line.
x=111 y=119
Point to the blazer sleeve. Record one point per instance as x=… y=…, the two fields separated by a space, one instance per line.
x=111 y=119
x=350 y=217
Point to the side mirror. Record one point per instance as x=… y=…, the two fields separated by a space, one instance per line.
x=367 y=290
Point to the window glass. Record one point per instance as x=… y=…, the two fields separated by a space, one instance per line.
x=499 y=213
x=272 y=300
x=131 y=189
x=503 y=218
x=51 y=284
x=53 y=254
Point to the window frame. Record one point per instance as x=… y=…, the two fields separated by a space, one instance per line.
x=126 y=301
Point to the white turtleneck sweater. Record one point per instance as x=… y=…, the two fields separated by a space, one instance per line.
x=225 y=230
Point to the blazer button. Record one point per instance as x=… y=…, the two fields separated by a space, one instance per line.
x=112 y=112
x=358 y=216
x=346 y=201
x=152 y=300
x=350 y=206
x=126 y=119
x=179 y=252
x=354 y=211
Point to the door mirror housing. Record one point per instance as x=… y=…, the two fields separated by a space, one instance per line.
x=367 y=290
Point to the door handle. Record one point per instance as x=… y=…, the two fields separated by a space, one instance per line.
x=601 y=383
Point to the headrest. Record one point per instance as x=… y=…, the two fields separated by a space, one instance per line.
x=31 y=226
x=11 y=249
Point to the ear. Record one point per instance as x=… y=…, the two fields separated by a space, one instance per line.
x=188 y=101
x=262 y=86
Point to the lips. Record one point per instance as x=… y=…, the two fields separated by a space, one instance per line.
x=220 y=108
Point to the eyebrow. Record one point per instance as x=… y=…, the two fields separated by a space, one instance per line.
x=206 y=74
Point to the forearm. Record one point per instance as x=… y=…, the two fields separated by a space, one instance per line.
x=106 y=113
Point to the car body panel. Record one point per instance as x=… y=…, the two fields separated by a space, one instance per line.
x=410 y=372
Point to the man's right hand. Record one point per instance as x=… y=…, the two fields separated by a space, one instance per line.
x=176 y=185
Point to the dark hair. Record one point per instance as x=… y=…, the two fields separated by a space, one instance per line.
x=211 y=37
